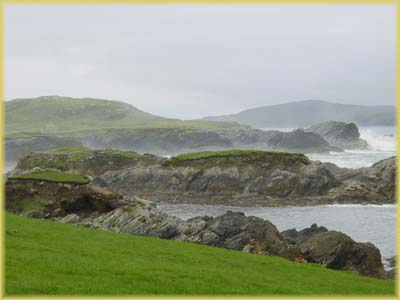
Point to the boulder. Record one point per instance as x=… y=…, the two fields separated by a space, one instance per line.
x=234 y=230
x=336 y=250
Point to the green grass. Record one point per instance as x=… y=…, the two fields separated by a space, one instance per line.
x=45 y=257
x=54 y=176
x=83 y=160
x=225 y=157
x=48 y=115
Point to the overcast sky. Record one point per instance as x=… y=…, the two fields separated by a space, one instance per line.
x=197 y=60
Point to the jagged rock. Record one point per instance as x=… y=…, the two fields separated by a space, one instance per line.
x=246 y=137
x=366 y=185
x=71 y=218
x=292 y=236
x=336 y=250
x=340 y=134
x=234 y=230
x=241 y=178
x=302 y=141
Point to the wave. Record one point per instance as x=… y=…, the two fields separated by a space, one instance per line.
x=380 y=138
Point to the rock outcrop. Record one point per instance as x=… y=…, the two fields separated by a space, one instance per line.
x=336 y=250
x=340 y=134
x=369 y=185
x=241 y=178
x=246 y=137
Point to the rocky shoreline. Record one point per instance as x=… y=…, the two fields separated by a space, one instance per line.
x=96 y=207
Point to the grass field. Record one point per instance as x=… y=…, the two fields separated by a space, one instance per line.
x=45 y=257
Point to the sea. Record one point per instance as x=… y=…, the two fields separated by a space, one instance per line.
x=363 y=223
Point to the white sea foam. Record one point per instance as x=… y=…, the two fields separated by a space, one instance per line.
x=382 y=141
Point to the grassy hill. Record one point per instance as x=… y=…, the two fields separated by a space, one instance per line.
x=44 y=257
x=51 y=114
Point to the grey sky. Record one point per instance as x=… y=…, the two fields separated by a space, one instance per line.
x=192 y=61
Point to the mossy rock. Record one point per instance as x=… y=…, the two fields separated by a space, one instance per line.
x=54 y=176
x=231 y=158
x=83 y=159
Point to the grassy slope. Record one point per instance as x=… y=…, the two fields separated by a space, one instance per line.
x=50 y=114
x=44 y=257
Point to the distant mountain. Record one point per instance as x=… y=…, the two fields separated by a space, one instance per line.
x=52 y=114
x=309 y=112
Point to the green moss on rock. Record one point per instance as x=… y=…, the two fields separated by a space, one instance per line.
x=84 y=160
x=54 y=176
x=228 y=158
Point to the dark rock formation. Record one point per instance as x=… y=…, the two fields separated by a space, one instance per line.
x=241 y=178
x=246 y=137
x=302 y=141
x=340 y=134
x=234 y=230
x=335 y=250
x=292 y=236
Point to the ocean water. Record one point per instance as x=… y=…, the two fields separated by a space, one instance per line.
x=363 y=223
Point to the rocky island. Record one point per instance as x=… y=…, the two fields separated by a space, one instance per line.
x=237 y=177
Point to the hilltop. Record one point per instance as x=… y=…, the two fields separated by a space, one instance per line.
x=54 y=114
x=309 y=112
